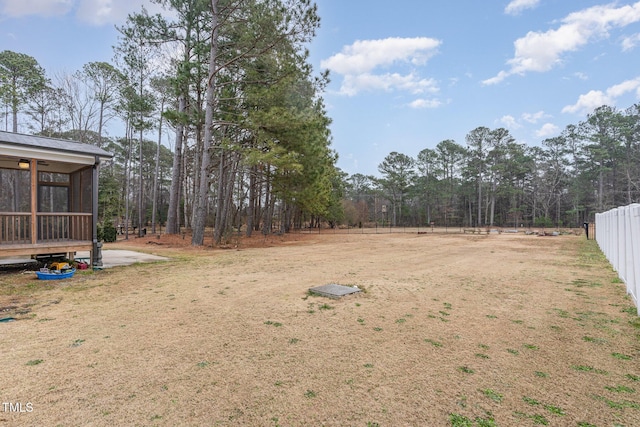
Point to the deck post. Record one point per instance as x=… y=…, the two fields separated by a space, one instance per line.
x=34 y=201
x=96 y=253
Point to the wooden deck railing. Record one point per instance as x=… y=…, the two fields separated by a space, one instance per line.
x=15 y=227
x=56 y=227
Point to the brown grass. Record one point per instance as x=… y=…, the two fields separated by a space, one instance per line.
x=521 y=330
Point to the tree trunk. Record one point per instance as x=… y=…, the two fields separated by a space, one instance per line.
x=196 y=163
x=100 y=123
x=14 y=115
x=200 y=202
x=492 y=208
x=156 y=173
x=176 y=178
x=187 y=195
x=220 y=220
x=267 y=215
x=240 y=195
x=479 y=223
x=227 y=198
x=257 y=212
x=600 y=189
x=141 y=208
x=127 y=169
x=252 y=201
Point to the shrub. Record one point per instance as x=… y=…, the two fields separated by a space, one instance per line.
x=543 y=222
x=106 y=232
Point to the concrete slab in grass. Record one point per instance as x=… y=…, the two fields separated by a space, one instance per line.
x=333 y=290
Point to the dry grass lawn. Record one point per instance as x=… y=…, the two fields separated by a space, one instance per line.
x=451 y=330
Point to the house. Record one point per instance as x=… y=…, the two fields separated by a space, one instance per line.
x=48 y=196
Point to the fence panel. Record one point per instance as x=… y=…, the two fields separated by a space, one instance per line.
x=633 y=254
x=618 y=235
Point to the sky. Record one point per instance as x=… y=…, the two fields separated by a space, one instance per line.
x=408 y=74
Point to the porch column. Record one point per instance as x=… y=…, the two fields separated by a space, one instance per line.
x=34 y=201
x=96 y=253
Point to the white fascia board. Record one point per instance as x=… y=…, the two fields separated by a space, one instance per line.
x=39 y=154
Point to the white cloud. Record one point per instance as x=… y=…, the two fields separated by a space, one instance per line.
x=366 y=55
x=496 y=79
x=352 y=84
x=596 y=98
x=15 y=8
x=581 y=76
x=510 y=122
x=630 y=42
x=388 y=82
x=541 y=51
x=358 y=61
x=547 y=130
x=101 y=12
x=534 y=117
x=94 y=12
x=627 y=86
x=588 y=102
x=425 y=103
x=517 y=6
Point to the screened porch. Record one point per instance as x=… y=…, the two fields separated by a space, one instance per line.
x=48 y=196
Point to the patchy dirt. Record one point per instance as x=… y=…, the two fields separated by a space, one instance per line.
x=521 y=330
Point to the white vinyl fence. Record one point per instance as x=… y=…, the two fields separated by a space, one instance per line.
x=618 y=235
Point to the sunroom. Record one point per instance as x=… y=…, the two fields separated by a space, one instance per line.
x=48 y=196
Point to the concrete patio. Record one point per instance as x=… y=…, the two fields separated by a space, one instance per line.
x=119 y=257
x=110 y=258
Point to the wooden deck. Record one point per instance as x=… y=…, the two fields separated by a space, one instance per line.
x=50 y=233
x=68 y=247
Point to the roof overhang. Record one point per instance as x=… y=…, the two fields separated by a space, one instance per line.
x=24 y=152
x=54 y=155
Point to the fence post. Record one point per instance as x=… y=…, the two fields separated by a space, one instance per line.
x=613 y=233
x=634 y=253
x=628 y=252
x=620 y=243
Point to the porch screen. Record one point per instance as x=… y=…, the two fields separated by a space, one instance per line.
x=15 y=206
x=53 y=194
x=15 y=194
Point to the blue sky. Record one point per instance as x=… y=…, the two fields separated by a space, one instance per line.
x=406 y=75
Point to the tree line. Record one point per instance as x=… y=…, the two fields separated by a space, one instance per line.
x=227 y=84
x=493 y=180
x=230 y=83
